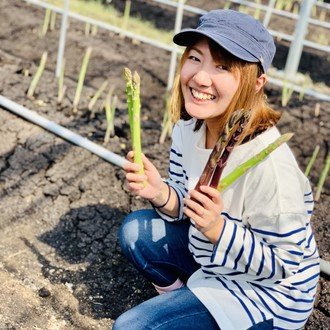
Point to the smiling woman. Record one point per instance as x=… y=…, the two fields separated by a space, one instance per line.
x=246 y=253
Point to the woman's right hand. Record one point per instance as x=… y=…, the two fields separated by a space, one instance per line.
x=148 y=185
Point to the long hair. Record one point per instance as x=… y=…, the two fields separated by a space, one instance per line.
x=262 y=116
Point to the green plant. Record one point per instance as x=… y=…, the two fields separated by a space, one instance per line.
x=322 y=178
x=81 y=79
x=257 y=10
x=304 y=87
x=44 y=28
x=312 y=160
x=134 y=109
x=322 y=39
x=227 y=5
x=167 y=122
x=127 y=11
x=96 y=97
x=37 y=76
x=287 y=91
x=94 y=30
x=52 y=21
x=253 y=161
x=87 y=28
x=110 y=109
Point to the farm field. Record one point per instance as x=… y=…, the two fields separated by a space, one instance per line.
x=61 y=206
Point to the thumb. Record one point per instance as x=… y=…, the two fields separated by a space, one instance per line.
x=148 y=165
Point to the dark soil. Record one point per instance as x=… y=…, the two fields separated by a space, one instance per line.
x=61 y=206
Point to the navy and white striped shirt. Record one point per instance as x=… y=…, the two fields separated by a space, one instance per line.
x=265 y=263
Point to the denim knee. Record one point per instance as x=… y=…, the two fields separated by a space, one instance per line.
x=132 y=230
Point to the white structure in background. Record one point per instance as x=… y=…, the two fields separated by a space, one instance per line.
x=298 y=39
x=297 y=43
x=61 y=45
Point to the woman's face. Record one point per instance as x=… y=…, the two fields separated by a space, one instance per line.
x=207 y=84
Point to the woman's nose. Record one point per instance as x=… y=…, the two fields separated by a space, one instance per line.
x=202 y=78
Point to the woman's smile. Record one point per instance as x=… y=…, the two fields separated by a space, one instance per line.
x=201 y=96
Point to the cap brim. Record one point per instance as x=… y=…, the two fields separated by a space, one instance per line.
x=189 y=36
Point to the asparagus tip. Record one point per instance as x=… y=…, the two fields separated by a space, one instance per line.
x=136 y=79
x=127 y=74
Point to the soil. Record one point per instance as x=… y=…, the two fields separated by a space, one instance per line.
x=61 y=206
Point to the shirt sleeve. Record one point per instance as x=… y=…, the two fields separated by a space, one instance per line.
x=263 y=252
x=176 y=173
x=271 y=243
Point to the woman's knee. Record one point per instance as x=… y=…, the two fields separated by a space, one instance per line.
x=135 y=229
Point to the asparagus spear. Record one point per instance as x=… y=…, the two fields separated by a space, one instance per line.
x=322 y=178
x=253 y=161
x=134 y=108
x=312 y=160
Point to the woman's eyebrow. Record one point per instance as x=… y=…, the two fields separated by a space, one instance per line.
x=197 y=50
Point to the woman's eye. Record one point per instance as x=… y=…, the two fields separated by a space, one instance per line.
x=193 y=58
x=222 y=68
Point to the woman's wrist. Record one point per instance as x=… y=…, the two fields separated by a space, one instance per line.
x=213 y=231
x=162 y=199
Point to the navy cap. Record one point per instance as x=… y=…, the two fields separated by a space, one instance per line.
x=238 y=33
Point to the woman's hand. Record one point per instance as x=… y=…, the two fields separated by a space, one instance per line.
x=148 y=185
x=205 y=209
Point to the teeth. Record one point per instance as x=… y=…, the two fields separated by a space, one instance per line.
x=202 y=96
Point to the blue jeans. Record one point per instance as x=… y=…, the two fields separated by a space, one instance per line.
x=159 y=250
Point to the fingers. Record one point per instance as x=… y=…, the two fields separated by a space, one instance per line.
x=213 y=193
x=194 y=206
x=134 y=186
x=135 y=177
x=201 y=198
x=192 y=215
x=148 y=165
x=132 y=167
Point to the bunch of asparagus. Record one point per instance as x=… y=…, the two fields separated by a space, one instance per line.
x=217 y=161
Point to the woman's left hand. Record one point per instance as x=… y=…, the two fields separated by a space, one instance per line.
x=205 y=209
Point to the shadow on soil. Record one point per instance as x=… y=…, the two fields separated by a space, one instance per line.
x=92 y=266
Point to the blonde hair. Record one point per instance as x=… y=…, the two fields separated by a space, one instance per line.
x=262 y=116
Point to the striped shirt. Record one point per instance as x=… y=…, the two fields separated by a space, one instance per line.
x=265 y=264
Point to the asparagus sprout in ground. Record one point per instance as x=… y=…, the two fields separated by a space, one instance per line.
x=87 y=28
x=110 y=108
x=127 y=11
x=312 y=160
x=94 y=30
x=81 y=79
x=38 y=74
x=134 y=109
x=167 y=122
x=253 y=161
x=96 y=97
x=109 y=94
x=287 y=91
x=323 y=176
x=52 y=23
x=45 y=24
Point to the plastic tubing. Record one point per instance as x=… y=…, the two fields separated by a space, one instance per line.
x=62 y=132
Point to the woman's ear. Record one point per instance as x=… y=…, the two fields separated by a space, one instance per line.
x=261 y=81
